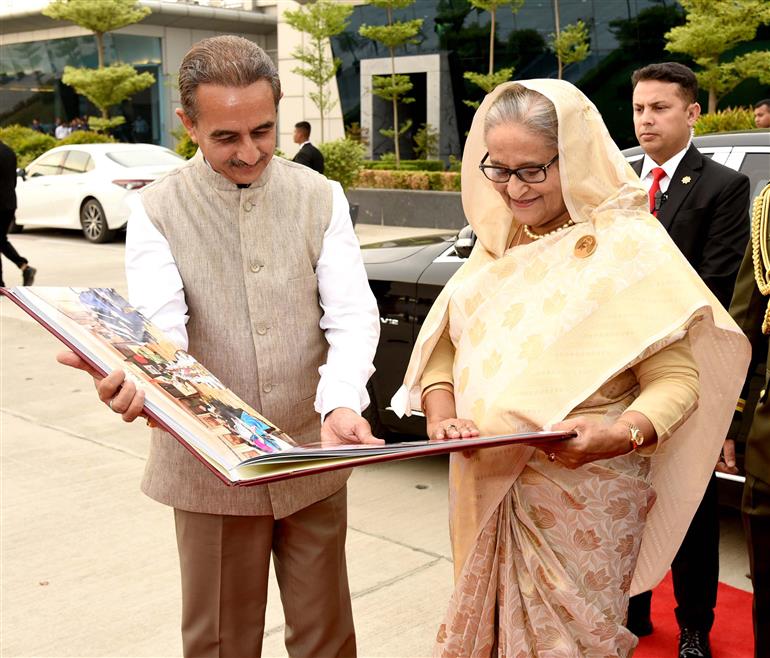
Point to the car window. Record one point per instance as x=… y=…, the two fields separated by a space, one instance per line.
x=47 y=165
x=77 y=162
x=757 y=167
x=145 y=158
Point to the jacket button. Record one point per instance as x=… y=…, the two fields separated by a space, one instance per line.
x=248 y=205
x=267 y=388
x=261 y=329
x=256 y=267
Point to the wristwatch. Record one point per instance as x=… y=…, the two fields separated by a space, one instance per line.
x=634 y=434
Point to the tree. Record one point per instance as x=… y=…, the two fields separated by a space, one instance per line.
x=712 y=28
x=571 y=45
x=492 y=6
x=104 y=86
x=321 y=20
x=394 y=87
x=491 y=79
x=426 y=142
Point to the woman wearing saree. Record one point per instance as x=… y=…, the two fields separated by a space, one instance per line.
x=574 y=311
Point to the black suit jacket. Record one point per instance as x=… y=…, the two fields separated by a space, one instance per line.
x=706 y=213
x=311 y=157
x=7 y=178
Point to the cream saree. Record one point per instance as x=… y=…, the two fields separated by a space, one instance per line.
x=545 y=557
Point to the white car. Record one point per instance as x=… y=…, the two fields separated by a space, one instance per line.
x=86 y=186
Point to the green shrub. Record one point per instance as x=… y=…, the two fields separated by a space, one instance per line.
x=86 y=137
x=26 y=143
x=343 y=160
x=732 y=118
x=384 y=179
x=444 y=181
x=184 y=145
x=406 y=165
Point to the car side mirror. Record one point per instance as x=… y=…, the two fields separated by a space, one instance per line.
x=21 y=173
x=466 y=238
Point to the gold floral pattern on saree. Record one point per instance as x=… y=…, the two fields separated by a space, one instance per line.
x=519 y=596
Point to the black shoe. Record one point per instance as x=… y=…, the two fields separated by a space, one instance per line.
x=694 y=643
x=639 y=621
x=28 y=275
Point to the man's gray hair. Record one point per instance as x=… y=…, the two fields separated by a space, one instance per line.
x=528 y=108
x=228 y=61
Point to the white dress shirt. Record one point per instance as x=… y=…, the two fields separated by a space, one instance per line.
x=669 y=166
x=350 y=317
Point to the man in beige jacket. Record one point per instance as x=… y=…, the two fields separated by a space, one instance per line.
x=250 y=262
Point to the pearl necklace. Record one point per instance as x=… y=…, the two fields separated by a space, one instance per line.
x=539 y=236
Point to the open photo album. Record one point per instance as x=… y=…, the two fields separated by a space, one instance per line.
x=237 y=444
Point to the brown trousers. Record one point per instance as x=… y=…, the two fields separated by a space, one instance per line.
x=225 y=563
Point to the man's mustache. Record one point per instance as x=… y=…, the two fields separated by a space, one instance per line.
x=236 y=162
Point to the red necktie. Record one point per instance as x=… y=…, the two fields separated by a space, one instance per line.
x=657 y=174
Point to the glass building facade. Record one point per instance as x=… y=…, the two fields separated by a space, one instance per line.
x=624 y=35
x=31 y=87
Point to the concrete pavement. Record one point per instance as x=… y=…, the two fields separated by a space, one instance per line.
x=88 y=565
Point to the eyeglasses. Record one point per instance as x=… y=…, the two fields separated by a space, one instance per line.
x=531 y=174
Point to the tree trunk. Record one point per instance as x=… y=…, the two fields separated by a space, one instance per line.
x=557 y=21
x=100 y=48
x=395 y=98
x=395 y=130
x=321 y=99
x=712 y=100
x=492 y=43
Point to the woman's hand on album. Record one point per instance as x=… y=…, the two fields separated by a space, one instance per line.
x=118 y=392
x=595 y=440
x=452 y=428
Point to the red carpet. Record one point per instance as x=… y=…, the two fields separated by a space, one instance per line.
x=731 y=637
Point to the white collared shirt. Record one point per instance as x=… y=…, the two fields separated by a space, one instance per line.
x=350 y=319
x=669 y=166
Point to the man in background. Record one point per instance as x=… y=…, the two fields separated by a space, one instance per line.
x=308 y=154
x=8 y=214
x=704 y=207
x=61 y=130
x=762 y=113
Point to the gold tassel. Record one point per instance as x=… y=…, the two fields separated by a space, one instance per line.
x=760 y=247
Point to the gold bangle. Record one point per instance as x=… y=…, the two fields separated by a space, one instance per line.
x=635 y=435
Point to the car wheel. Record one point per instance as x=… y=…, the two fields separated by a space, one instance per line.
x=94 y=222
x=15 y=228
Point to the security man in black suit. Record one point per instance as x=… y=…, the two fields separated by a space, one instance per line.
x=704 y=207
x=308 y=154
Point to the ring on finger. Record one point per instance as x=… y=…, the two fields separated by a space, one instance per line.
x=551 y=456
x=452 y=426
x=109 y=404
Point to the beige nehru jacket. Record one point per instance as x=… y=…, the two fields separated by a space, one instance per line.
x=247 y=261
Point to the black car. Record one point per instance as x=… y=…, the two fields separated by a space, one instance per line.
x=407 y=275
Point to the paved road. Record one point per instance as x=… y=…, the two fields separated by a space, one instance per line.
x=89 y=565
